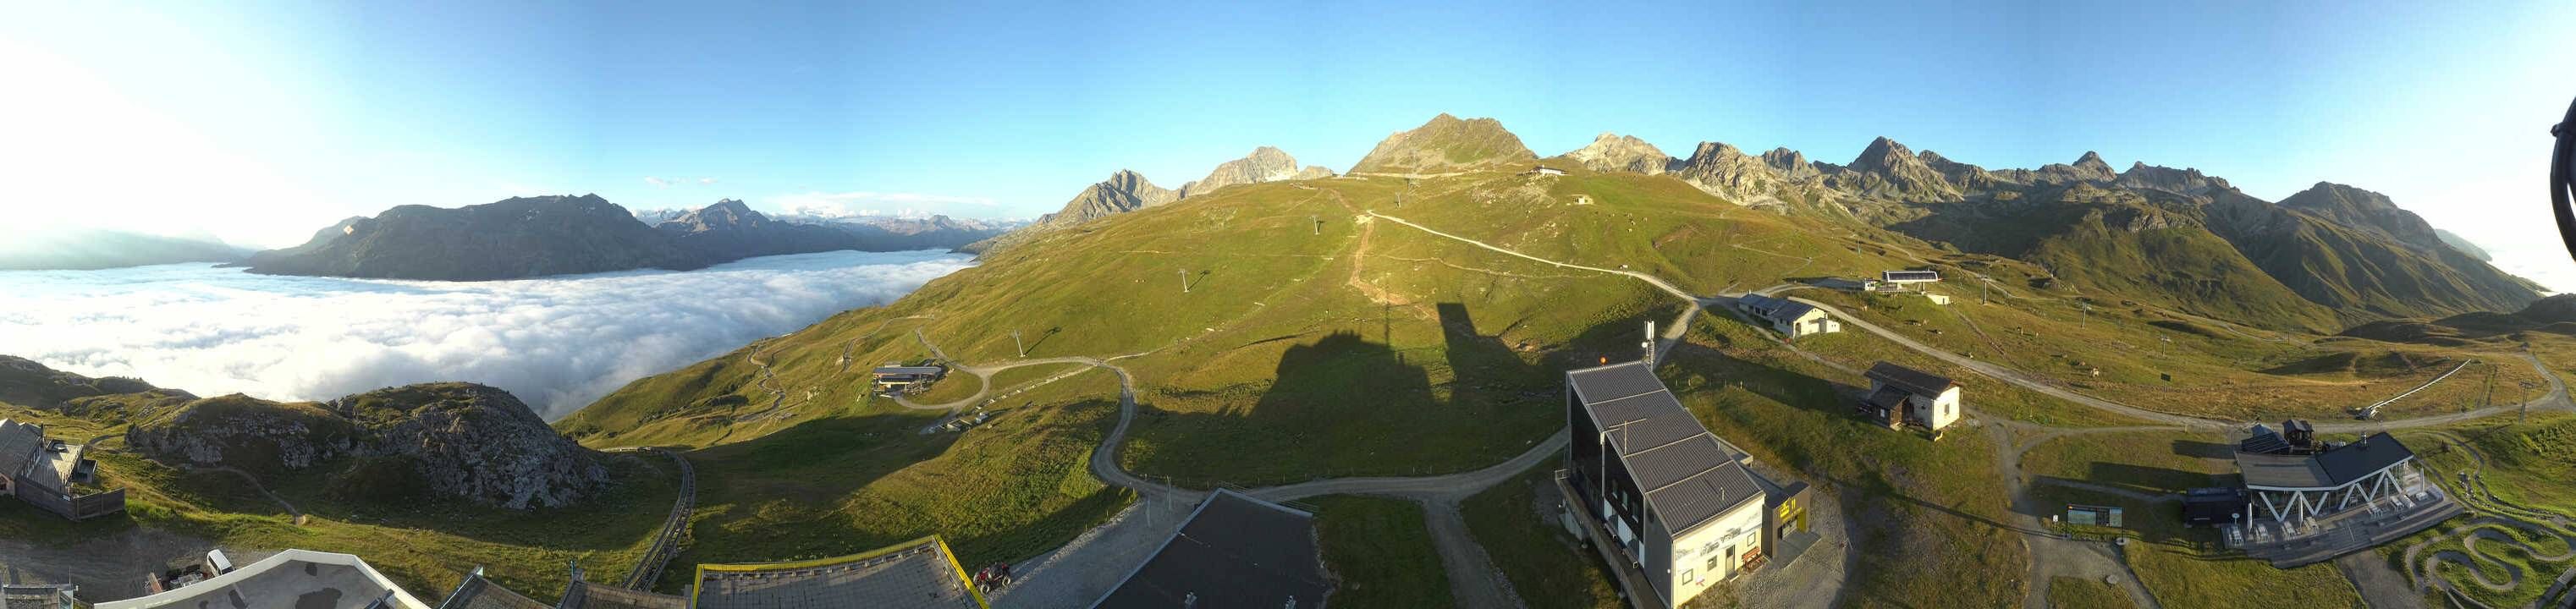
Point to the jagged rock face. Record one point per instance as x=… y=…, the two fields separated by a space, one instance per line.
x=477 y=442
x=457 y=440
x=1790 y=163
x=1613 y=152
x=2188 y=182
x=2088 y=169
x=1967 y=177
x=1265 y=164
x=1446 y=144
x=1887 y=169
x=1123 y=192
x=1722 y=170
x=2368 y=211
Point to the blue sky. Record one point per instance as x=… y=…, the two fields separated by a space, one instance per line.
x=260 y=123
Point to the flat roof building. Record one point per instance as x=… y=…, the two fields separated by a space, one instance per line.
x=917 y=574
x=1788 y=317
x=303 y=579
x=1677 y=503
x=895 y=378
x=1235 y=551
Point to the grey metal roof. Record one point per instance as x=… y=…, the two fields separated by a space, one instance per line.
x=893 y=370
x=20 y=445
x=479 y=593
x=1911 y=380
x=2329 y=469
x=1775 y=310
x=1235 y=551
x=2283 y=471
x=2373 y=453
x=589 y=595
x=1688 y=476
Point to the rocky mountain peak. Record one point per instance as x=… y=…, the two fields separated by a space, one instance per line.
x=1889 y=169
x=1614 y=152
x=1265 y=164
x=1445 y=144
x=1789 y=162
x=2369 y=211
x=2087 y=169
x=724 y=214
x=1883 y=155
x=2092 y=161
x=1123 y=192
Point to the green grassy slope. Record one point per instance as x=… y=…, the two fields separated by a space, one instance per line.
x=1380 y=553
x=424 y=545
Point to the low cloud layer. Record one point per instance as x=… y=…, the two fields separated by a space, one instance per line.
x=557 y=343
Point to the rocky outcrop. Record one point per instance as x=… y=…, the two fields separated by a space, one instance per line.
x=1722 y=170
x=1446 y=144
x=1127 y=191
x=1265 y=164
x=2187 y=182
x=1123 y=192
x=448 y=440
x=23 y=382
x=1614 y=152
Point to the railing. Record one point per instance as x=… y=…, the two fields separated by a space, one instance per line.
x=667 y=543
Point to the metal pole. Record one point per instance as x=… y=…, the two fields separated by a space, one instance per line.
x=1185 y=281
x=1318 y=222
x=1015 y=342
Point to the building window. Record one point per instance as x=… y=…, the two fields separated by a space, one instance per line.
x=1712 y=561
x=1690 y=575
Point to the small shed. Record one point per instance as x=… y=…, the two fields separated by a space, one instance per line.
x=1904 y=396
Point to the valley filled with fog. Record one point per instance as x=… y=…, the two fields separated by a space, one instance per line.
x=558 y=343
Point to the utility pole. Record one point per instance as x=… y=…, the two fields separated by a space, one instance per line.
x=1318 y=222
x=1185 y=281
x=1015 y=342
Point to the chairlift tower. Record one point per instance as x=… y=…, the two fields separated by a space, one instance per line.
x=1015 y=343
x=1185 y=281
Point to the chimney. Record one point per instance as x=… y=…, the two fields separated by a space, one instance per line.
x=1650 y=343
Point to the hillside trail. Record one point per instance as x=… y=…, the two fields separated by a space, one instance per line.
x=2047 y=555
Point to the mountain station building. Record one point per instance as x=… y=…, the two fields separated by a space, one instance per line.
x=1676 y=504
x=1788 y=317
x=902 y=378
x=2308 y=501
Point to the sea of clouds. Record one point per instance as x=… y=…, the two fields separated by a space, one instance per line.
x=558 y=343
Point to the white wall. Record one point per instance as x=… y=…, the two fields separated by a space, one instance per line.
x=1740 y=527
